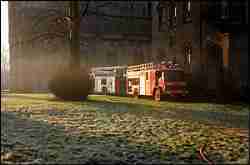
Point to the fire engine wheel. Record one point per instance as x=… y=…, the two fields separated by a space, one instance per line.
x=157 y=95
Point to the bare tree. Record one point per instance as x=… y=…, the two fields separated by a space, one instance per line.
x=58 y=25
x=75 y=37
x=65 y=24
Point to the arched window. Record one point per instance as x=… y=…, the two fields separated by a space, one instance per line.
x=171 y=10
x=188 y=57
x=160 y=14
x=174 y=10
x=144 y=10
x=149 y=9
x=187 y=11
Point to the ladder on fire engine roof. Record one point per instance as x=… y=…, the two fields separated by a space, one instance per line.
x=108 y=68
x=149 y=66
x=140 y=67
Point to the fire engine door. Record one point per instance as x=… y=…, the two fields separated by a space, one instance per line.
x=142 y=83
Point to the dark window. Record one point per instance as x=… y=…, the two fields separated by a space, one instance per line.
x=174 y=15
x=171 y=14
x=144 y=11
x=229 y=10
x=160 y=13
x=149 y=9
x=224 y=10
x=164 y=15
x=103 y=81
x=187 y=11
x=132 y=8
x=188 y=56
x=167 y=14
x=217 y=10
x=236 y=11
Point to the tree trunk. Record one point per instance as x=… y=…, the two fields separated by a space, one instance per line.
x=75 y=34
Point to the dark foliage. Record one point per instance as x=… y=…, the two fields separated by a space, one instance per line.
x=70 y=84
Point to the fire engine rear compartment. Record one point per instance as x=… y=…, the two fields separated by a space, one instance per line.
x=109 y=80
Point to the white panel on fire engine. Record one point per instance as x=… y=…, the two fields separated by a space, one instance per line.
x=98 y=87
x=105 y=82
x=111 y=85
x=142 y=83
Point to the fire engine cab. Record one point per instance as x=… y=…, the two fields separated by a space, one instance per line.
x=156 y=80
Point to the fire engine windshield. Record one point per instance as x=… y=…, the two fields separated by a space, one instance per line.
x=173 y=75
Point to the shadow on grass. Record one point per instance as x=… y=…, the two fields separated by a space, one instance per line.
x=205 y=100
x=53 y=98
x=118 y=105
x=197 y=99
x=29 y=96
x=226 y=119
x=52 y=144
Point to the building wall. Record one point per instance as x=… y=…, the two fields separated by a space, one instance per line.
x=185 y=34
x=207 y=59
x=105 y=40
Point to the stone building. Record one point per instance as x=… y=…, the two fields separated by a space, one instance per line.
x=112 y=33
x=209 y=39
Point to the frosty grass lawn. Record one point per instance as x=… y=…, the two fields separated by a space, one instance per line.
x=40 y=128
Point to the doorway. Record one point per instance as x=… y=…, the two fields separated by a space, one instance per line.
x=214 y=67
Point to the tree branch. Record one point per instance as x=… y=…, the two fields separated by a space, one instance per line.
x=118 y=16
x=69 y=20
x=40 y=17
x=39 y=36
x=85 y=11
x=105 y=4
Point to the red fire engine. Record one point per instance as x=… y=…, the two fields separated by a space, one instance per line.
x=156 y=80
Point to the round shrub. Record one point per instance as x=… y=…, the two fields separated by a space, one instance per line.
x=70 y=84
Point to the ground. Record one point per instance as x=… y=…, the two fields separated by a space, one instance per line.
x=38 y=128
